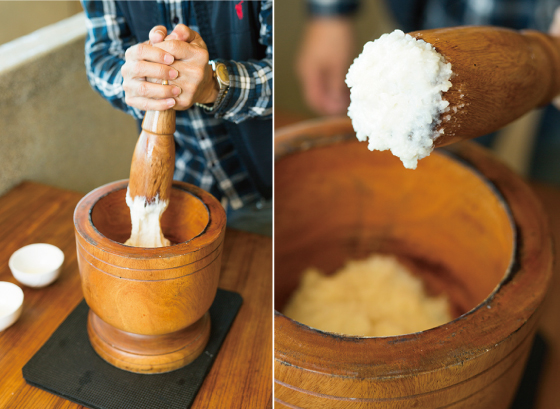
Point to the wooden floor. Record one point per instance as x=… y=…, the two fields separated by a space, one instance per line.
x=241 y=376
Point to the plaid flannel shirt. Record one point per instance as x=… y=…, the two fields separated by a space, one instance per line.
x=515 y=14
x=205 y=155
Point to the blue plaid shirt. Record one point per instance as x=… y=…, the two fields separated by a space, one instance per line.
x=205 y=155
x=515 y=14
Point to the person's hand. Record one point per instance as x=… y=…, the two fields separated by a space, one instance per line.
x=145 y=67
x=323 y=61
x=196 y=78
x=555 y=31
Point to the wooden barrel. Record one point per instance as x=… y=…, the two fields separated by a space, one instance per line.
x=463 y=222
x=148 y=306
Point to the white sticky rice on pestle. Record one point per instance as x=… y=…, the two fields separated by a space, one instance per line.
x=396 y=87
x=146 y=226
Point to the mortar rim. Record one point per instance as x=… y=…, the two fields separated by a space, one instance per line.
x=207 y=241
x=296 y=138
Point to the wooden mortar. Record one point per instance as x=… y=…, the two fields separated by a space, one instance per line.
x=149 y=306
x=464 y=223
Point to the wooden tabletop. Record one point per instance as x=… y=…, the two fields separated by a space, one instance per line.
x=241 y=376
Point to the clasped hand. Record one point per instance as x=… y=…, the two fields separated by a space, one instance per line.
x=181 y=58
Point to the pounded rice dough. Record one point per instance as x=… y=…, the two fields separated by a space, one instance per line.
x=146 y=222
x=372 y=297
x=396 y=87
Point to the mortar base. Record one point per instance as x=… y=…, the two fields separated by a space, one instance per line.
x=148 y=354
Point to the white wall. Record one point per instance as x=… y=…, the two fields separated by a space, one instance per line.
x=54 y=128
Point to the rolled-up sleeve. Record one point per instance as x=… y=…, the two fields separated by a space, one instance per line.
x=108 y=37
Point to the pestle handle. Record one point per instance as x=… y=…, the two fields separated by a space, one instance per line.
x=499 y=75
x=153 y=161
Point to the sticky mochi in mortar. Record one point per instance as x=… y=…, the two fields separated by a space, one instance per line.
x=396 y=87
x=375 y=297
x=146 y=222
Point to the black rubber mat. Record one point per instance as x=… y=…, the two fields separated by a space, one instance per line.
x=67 y=365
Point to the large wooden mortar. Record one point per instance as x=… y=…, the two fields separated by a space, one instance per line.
x=462 y=221
x=149 y=306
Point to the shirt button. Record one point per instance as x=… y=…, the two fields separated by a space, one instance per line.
x=175 y=20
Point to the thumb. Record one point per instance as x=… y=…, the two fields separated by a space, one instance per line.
x=157 y=34
x=183 y=33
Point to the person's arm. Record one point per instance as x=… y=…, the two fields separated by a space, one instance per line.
x=250 y=90
x=107 y=39
x=110 y=46
x=326 y=52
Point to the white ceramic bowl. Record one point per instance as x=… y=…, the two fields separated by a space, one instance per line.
x=11 y=303
x=36 y=265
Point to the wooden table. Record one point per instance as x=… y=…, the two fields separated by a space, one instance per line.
x=241 y=376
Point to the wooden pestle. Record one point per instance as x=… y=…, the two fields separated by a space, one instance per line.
x=153 y=162
x=498 y=75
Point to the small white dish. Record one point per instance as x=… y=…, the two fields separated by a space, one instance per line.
x=36 y=265
x=11 y=304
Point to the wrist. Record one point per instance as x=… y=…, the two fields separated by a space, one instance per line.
x=218 y=89
x=212 y=88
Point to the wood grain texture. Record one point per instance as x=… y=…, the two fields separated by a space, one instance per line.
x=498 y=75
x=241 y=376
x=158 y=292
x=148 y=353
x=548 y=393
x=159 y=122
x=153 y=161
x=441 y=217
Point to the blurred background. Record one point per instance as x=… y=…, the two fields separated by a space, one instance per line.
x=18 y=18
x=530 y=145
x=54 y=128
x=515 y=144
x=57 y=130
x=290 y=17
